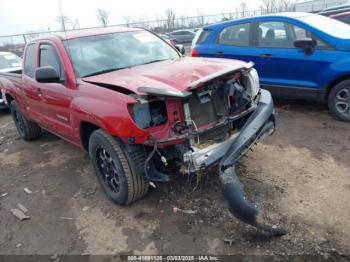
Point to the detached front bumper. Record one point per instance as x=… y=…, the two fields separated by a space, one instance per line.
x=262 y=121
x=226 y=154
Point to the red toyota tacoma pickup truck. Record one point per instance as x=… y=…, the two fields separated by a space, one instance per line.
x=142 y=110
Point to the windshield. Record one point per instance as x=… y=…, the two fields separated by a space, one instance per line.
x=9 y=60
x=99 y=54
x=328 y=25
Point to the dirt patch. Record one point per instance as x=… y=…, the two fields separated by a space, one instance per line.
x=299 y=177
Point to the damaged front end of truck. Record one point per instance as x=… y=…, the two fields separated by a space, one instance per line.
x=213 y=122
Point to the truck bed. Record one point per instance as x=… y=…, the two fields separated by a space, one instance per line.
x=14 y=77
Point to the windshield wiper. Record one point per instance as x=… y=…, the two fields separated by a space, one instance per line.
x=104 y=71
x=119 y=68
x=154 y=61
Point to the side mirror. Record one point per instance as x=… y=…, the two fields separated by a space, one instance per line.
x=47 y=74
x=181 y=49
x=308 y=44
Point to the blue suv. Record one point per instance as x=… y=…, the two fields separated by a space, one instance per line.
x=297 y=55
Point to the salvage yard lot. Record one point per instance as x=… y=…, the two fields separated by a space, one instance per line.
x=300 y=177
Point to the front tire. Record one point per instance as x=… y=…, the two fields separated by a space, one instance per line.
x=115 y=169
x=339 y=101
x=26 y=129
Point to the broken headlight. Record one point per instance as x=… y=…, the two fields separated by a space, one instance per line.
x=149 y=114
x=253 y=85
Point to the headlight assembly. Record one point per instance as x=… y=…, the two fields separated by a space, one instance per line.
x=149 y=114
x=253 y=85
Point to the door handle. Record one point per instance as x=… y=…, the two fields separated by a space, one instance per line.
x=267 y=56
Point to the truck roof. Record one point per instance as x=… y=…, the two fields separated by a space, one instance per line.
x=86 y=32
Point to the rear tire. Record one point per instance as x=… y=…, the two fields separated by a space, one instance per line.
x=116 y=169
x=339 y=101
x=27 y=130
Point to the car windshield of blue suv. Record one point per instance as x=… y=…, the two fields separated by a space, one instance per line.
x=328 y=25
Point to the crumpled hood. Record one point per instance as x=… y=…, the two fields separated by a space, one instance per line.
x=171 y=75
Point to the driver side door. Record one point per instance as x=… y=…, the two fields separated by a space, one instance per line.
x=56 y=98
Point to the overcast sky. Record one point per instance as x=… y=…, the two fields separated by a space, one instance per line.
x=21 y=16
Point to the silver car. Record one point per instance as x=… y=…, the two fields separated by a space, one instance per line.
x=182 y=36
x=9 y=63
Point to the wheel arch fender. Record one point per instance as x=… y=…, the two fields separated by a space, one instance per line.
x=114 y=118
x=336 y=81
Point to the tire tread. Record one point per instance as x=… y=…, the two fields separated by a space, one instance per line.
x=137 y=185
x=331 y=99
x=32 y=130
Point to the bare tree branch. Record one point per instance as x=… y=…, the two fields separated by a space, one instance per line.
x=243 y=7
x=127 y=20
x=285 y=5
x=75 y=24
x=269 y=5
x=201 y=18
x=32 y=35
x=63 y=21
x=170 y=19
x=102 y=16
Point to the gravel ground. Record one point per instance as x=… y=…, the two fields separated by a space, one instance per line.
x=299 y=177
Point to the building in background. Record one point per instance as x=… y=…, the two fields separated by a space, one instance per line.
x=318 y=5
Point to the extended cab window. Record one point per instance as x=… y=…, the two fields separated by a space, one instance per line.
x=29 y=62
x=237 y=35
x=49 y=57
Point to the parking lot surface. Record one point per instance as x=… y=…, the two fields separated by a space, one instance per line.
x=299 y=177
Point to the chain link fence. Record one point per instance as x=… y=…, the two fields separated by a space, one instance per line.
x=16 y=43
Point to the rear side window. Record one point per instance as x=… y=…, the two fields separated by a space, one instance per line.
x=49 y=57
x=203 y=36
x=29 y=64
x=237 y=35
